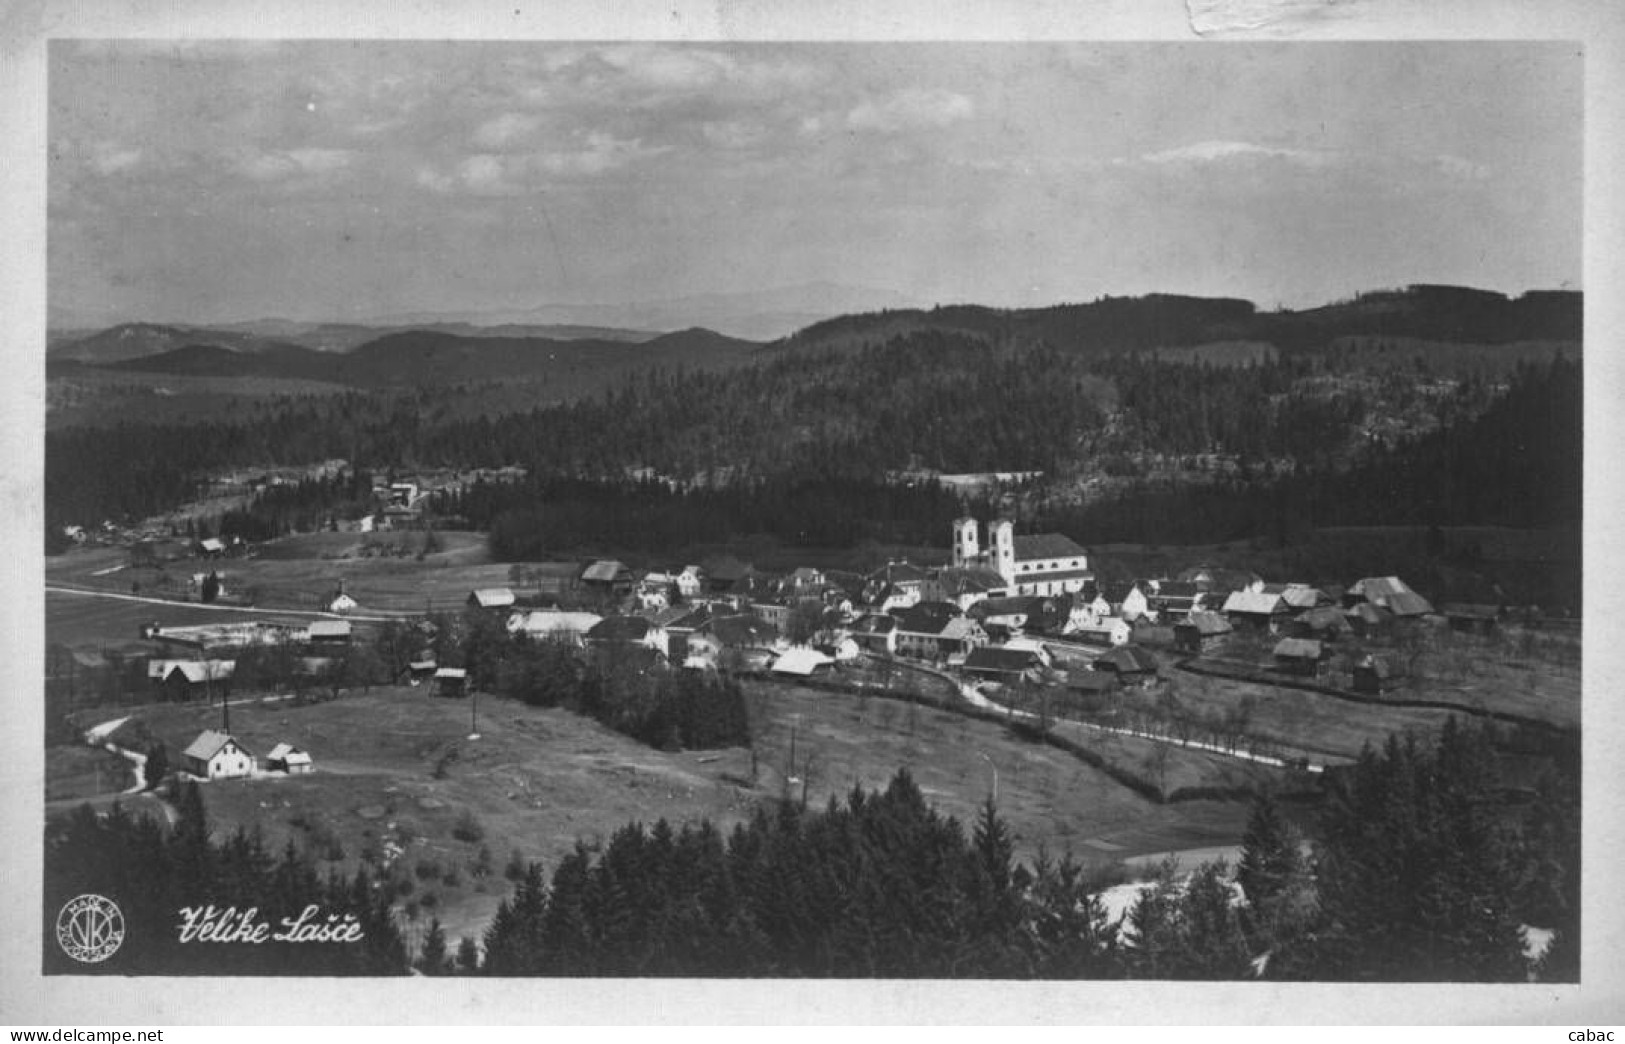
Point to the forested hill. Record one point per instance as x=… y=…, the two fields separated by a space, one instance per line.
x=1123 y=324
x=430 y=358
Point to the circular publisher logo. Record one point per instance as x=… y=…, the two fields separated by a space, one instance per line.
x=90 y=928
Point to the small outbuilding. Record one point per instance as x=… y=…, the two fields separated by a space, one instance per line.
x=1374 y=675
x=450 y=681
x=285 y=757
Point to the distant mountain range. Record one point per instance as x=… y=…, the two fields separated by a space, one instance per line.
x=758 y=315
x=407 y=358
x=584 y=357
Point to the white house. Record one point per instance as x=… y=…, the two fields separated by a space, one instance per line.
x=801 y=662
x=1038 y=564
x=562 y=624
x=215 y=755
x=691 y=582
x=1104 y=630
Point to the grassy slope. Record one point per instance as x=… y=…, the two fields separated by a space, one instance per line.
x=538 y=780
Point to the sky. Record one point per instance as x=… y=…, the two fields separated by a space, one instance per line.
x=218 y=181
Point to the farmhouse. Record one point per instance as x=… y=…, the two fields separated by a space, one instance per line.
x=420 y=671
x=1201 y=631
x=1389 y=592
x=188 y=679
x=1257 y=609
x=1039 y=564
x=1003 y=664
x=937 y=631
x=607 y=576
x=1299 y=655
x=963 y=586
x=1131 y=664
x=285 y=757
x=215 y=755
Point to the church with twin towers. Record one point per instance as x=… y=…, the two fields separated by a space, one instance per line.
x=1035 y=564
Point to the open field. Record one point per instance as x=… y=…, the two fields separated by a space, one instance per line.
x=396 y=768
x=89 y=620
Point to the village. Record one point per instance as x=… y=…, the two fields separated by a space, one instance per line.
x=1016 y=622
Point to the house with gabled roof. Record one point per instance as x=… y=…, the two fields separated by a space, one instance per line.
x=1257 y=609
x=1102 y=630
x=1388 y=592
x=186 y=679
x=963 y=585
x=491 y=598
x=801 y=662
x=608 y=576
x=937 y=631
x=876 y=633
x=217 y=755
x=1130 y=663
x=1201 y=631
x=1003 y=664
x=1299 y=655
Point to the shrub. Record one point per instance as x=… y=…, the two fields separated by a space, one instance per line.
x=468 y=828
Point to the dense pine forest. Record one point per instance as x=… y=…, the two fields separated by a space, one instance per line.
x=153 y=872
x=831 y=445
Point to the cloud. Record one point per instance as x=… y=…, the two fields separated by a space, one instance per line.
x=1461 y=169
x=911 y=109
x=507 y=174
x=1206 y=152
x=501 y=131
x=108 y=157
x=734 y=134
x=281 y=164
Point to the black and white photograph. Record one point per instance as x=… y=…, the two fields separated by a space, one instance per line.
x=1008 y=509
